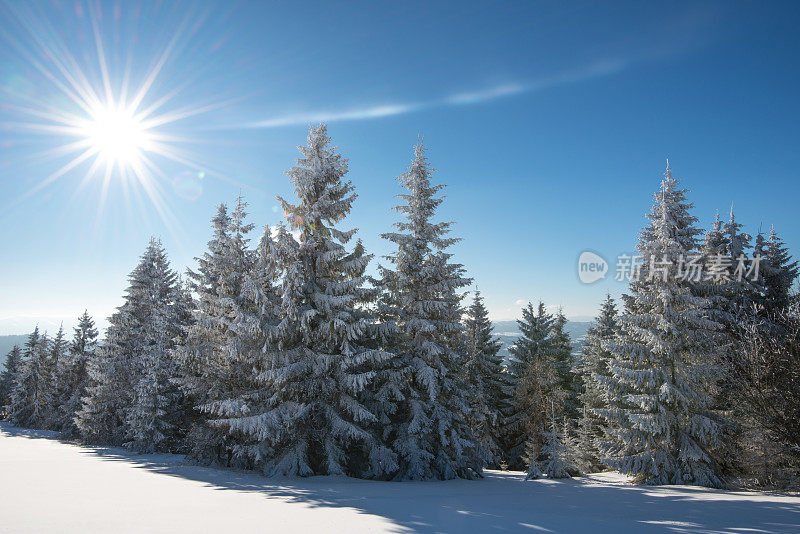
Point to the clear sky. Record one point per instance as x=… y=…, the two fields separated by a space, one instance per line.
x=550 y=122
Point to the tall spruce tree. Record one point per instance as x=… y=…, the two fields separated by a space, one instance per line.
x=593 y=368
x=566 y=389
x=664 y=431
x=313 y=421
x=133 y=399
x=227 y=348
x=487 y=383
x=8 y=376
x=779 y=273
x=57 y=358
x=421 y=398
x=31 y=396
x=73 y=375
x=533 y=378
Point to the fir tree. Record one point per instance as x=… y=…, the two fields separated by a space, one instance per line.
x=593 y=367
x=554 y=460
x=533 y=379
x=313 y=423
x=485 y=379
x=779 y=273
x=73 y=374
x=566 y=389
x=133 y=399
x=227 y=345
x=56 y=360
x=663 y=361
x=33 y=389
x=421 y=398
x=9 y=376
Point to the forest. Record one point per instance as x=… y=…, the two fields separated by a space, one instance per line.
x=279 y=353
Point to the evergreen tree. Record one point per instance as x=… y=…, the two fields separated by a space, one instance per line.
x=9 y=376
x=593 y=367
x=663 y=361
x=109 y=391
x=73 y=375
x=227 y=346
x=485 y=379
x=532 y=378
x=421 y=397
x=566 y=389
x=55 y=362
x=133 y=399
x=32 y=392
x=779 y=273
x=313 y=422
x=554 y=461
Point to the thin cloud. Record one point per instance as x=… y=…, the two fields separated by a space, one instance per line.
x=374 y=112
x=595 y=70
x=477 y=97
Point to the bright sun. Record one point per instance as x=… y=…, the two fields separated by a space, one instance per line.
x=116 y=135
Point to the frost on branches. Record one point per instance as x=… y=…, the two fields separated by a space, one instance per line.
x=593 y=366
x=485 y=380
x=132 y=399
x=422 y=404
x=224 y=351
x=31 y=395
x=554 y=460
x=533 y=378
x=663 y=431
x=315 y=421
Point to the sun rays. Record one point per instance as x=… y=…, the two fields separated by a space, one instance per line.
x=104 y=121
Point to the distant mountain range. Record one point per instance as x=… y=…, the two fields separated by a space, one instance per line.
x=506 y=331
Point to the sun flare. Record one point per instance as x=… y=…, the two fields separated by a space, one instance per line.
x=117 y=135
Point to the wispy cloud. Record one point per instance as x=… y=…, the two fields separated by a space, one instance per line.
x=374 y=112
x=594 y=70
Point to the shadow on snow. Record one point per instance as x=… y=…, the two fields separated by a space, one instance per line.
x=502 y=502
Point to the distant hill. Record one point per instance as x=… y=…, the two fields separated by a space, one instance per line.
x=7 y=343
x=508 y=332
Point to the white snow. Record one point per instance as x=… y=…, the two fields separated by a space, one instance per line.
x=50 y=486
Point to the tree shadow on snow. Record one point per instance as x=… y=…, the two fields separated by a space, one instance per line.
x=502 y=502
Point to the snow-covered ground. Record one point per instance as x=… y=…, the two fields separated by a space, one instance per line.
x=50 y=486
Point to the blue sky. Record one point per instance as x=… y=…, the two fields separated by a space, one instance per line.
x=550 y=122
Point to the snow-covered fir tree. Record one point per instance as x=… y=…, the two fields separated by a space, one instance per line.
x=779 y=272
x=132 y=399
x=313 y=422
x=205 y=370
x=31 y=396
x=58 y=353
x=555 y=458
x=532 y=378
x=73 y=377
x=566 y=389
x=487 y=383
x=731 y=292
x=593 y=368
x=664 y=431
x=226 y=349
x=153 y=417
x=109 y=390
x=421 y=397
x=11 y=368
